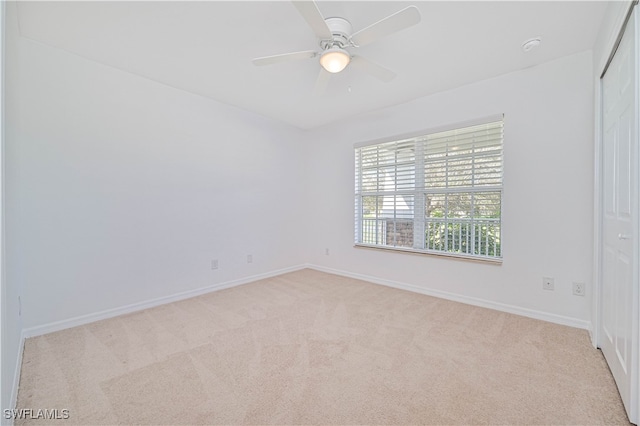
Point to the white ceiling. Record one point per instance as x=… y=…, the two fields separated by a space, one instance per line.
x=206 y=47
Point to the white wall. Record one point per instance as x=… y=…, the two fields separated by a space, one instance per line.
x=607 y=34
x=11 y=289
x=123 y=190
x=548 y=190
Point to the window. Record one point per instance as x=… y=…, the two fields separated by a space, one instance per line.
x=440 y=192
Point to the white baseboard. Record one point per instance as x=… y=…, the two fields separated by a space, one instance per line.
x=512 y=309
x=13 y=402
x=110 y=313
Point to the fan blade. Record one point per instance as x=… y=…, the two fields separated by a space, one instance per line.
x=285 y=57
x=321 y=82
x=373 y=69
x=393 y=23
x=310 y=12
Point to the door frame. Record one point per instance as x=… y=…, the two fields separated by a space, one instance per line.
x=596 y=309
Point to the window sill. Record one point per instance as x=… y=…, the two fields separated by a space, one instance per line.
x=453 y=256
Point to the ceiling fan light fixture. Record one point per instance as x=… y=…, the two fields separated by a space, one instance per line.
x=335 y=59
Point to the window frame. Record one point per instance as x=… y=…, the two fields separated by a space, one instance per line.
x=420 y=222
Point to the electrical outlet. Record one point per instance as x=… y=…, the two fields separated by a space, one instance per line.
x=547 y=283
x=249 y=258
x=578 y=289
x=214 y=264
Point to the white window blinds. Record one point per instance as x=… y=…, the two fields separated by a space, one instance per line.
x=439 y=192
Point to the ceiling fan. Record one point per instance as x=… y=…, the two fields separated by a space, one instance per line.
x=336 y=39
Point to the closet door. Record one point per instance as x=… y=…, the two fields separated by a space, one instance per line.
x=619 y=211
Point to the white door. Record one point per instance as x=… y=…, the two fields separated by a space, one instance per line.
x=619 y=286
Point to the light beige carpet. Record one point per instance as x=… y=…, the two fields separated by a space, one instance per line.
x=314 y=348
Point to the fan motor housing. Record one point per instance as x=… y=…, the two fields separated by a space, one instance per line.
x=340 y=29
